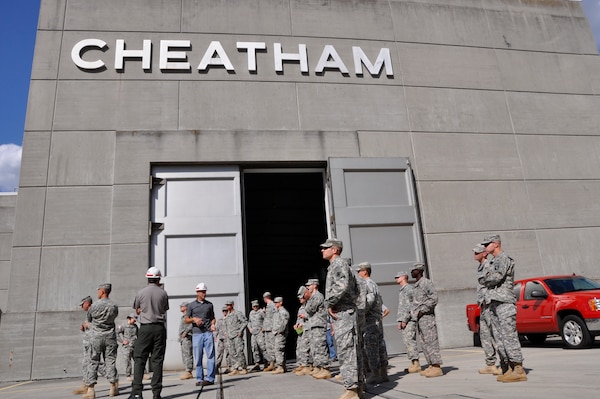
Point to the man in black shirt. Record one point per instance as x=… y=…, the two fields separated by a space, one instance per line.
x=202 y=316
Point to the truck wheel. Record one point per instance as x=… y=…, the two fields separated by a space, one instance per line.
x=574 y=333
x=476 y=339
x=536 y=339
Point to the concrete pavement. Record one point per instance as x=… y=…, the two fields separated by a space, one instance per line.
x=553 y=372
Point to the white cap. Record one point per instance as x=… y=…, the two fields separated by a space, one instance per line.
x=201 y=287
x=153 y=272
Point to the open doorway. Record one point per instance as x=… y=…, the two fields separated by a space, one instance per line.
x=284 y=223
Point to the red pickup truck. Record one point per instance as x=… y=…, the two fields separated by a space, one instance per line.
x=565 y=305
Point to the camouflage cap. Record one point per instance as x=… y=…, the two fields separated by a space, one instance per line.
x=364 y=266
x=332 y=242
x=301 y=291
x=400 y=274
x=86 y=299
x=267 y=294
x=490 y=238
x=183 y=304
x=479 y=248
x=230 y=302
x=105 y=286
x=224 y=309
x=132 y=316
x=312 y=281
x=278 y=299
x=418 y=266
x=254 y=302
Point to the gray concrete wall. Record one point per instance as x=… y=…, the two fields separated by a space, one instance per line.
x=8 y=204
x=494 y=102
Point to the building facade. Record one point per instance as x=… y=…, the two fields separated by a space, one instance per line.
x=222 y=141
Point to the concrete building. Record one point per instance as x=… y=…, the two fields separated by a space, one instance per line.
x=222 y=141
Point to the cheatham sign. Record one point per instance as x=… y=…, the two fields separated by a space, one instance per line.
x=87 y=54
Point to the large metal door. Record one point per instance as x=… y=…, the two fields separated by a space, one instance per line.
x=197 y=237
x=374 y=212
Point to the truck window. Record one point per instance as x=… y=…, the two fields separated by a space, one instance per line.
x=517 y=291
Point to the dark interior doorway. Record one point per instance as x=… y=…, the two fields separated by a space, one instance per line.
x=284 y=223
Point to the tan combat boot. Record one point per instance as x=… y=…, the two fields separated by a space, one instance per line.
x=324 y=374
x=271 y=367
x=506 y=374
x=434 y=371
x=90 y=393
x=278 y=370
x=518 y=374
x=415 y=367
x=114 y=389
x=298 y=369
x=234 y=372
x=243 y=371
x=490 y=370
x=315 y=370
x=81 y=390
x=186 y=376
x=423 y=372
x=384 y=374
x=350 y=394
x=307 y=370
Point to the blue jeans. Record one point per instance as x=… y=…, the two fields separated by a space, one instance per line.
x=204 y=343
x=331 y=345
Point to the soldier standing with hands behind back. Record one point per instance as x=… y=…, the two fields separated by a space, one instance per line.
x=185 y=343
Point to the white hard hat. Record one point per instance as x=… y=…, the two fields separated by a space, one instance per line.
x=201 y=287
x=153 y=272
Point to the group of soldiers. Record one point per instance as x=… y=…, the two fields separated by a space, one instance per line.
x=498 y=319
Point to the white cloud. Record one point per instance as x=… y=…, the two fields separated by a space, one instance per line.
x=10 y=164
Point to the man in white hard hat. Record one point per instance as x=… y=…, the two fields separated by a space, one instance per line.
x=151 y=304
x=201 y=314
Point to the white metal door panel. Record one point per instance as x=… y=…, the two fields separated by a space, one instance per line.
x=197 y=237
x=375 y=215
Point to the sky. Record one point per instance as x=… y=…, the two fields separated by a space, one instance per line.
x=18 y=25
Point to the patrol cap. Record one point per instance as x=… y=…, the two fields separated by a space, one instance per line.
x=278 y=299
x=400 y=274
x=86 y=299
x=254 y=303
x=201 y=287
x=105 y=286
x=364 y=266
x=183 y=304
x=132 y=316
x=479 y=248
x=418 y=266
x=267 y=294
x=224 y=309
x=312 y=281
x=230 y=302
x=301 y=291
x=489 y=239
x=332 y=242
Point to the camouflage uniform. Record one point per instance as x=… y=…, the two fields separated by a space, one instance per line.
x=303 y=355
x=103 y=340
x=485 y=319
x=220 y=337
x=129 y=333
x=235 y=324
x=185 y=343
x=341 y=291
x=409 y=334
x=280 y=332
x=270 y=311
x=424 y=301
x=499 y=297
x=256 y=319
x=374 y=345
x=361 y=322
x=317 y=315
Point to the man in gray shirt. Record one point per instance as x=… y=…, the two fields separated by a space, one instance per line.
x=151 y=304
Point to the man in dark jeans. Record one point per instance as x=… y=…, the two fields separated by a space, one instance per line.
x=151 y=304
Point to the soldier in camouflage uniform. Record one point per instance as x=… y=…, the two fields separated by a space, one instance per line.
x=406 y=324
x=341 y=291
x=485 y=321
x=374 y=345
x=270 y=311
x=256 y=318
x=302 y=328
x=499 y=297
x=280 y=332
x=317 y=315
x=126 y=336
x=236 y=323
x=84 y=328
x=185 y=343
x=220 y=339
x=103 y=341
x=423 y=311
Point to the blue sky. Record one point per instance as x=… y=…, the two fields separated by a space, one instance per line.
x=18 y=24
